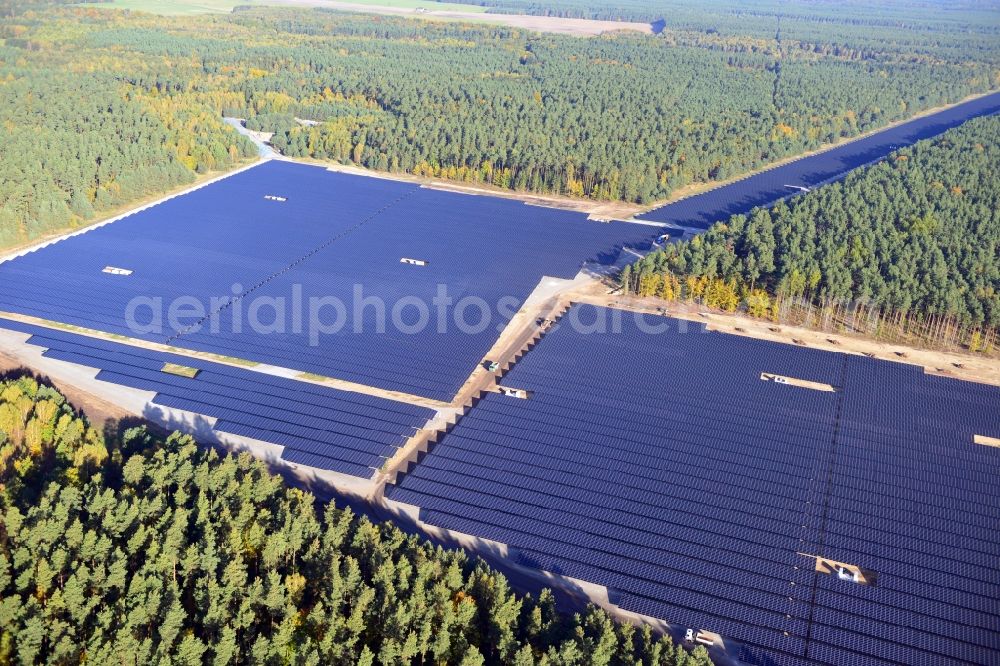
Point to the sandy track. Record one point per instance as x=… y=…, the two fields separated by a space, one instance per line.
x=553 y=24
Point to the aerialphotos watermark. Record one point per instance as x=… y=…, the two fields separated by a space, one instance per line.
x=319 y=316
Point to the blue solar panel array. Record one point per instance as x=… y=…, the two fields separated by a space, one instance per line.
x=333 y=232
x=321 y=427
x=662 y=466
x=765 y=188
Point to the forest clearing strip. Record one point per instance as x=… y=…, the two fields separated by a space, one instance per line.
x=697 y=189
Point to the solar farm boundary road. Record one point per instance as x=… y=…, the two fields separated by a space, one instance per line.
x=548 y=301
x=259 y=139
x=710 y=203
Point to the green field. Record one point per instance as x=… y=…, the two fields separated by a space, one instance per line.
x=182 y=7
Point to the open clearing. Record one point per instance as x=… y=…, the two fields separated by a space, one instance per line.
x=407 y=8
x=186 y=7
x=696 y=431
x=171 y=7
x=553 y=24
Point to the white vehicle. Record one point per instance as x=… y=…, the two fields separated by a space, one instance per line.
x=843 y=573
x=514 y=392
x=703 y=637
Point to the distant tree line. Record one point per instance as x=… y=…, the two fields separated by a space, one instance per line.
x=102 y=107
x=917 y=234
x=76 y=141
x=722 y=15
x=631 y=118
x=121 y=547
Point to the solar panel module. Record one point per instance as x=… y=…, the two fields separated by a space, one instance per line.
x=860 y=525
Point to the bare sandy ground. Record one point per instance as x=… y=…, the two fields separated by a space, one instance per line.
x=97 y=410
x=594 y=208
x=563 y=26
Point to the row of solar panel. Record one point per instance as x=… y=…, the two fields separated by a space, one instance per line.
x=559 y=482
x=576 y=511
x=678 y=413
x=332 y=233
x=612 y=524
x=659 y=481
x=684 y=364
x=641 y=483
x=342 y=431
x=683 y=405
x=221 y=379
x=725 y=603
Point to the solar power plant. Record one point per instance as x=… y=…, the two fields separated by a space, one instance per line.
x=701 y=211
x=282 y=227
x=346 y=432
x=852 y=526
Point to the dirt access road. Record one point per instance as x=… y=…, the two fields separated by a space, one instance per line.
x=553 y=24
